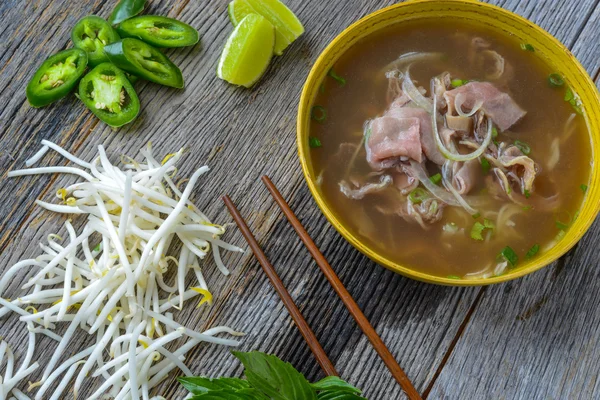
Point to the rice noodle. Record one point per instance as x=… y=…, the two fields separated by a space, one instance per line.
x=410 y=58
x=447 y=182
x=554 y=154
x=117 y=289
x=455 y=156
x=409 y=89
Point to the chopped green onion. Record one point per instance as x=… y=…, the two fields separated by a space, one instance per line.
x=560 y=235
x=569 y=95
x=451 y=227
x=527 y=47
x=494 y=132
x=527 y=193
x=475 y=216
x=453 y=277
x=524 y=147
x=527 y=208
x=532 y=251
x=418 y=195
x=576 y=215
x=561 y=226
x=555 y=80
x=485 y=165
x=314 y=142
x=437 y=178
x=573 y=101
x=509 y=255
x=97 y=248
x=457 y=82
x=584 y=188
x=318 y=113
x=338 y=78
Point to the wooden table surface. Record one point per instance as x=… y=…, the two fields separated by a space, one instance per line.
x=533 y=338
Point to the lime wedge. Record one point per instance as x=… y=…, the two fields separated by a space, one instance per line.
x=287 y=26
x=237 y=10
x=247 y=52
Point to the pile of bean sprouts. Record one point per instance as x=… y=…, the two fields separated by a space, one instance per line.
x=109 y=279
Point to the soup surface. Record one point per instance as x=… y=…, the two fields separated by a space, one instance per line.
x=522 y=191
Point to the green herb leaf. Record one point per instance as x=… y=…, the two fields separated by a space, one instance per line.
x=437 y=178
x=527 y=208
x=334 y=383
x=532 y=251
x=494 y=132
x=335 y=395
x=561 y=225
x=275 y=378
x=314 y=142
x=457 y=82
x=453 y=277
x=509 y=255
x=524 y=147
x=125 y=10
x=226 y=394
x=475 y=216
x=584 y=188
x=555 y=80
x=338 y=78
x=98 y=246
x=527 y=193
x=485 y=165
x=319 y=114
x=527 y=47
x=198 y=385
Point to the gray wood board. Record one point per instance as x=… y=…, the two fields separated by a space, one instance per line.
x=241 y=134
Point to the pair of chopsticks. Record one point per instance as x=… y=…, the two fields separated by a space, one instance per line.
x=335 y=282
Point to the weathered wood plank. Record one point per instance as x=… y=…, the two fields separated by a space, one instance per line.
x=536 y=337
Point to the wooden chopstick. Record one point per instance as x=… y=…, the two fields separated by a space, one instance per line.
x=343 y=293
x=301 y=323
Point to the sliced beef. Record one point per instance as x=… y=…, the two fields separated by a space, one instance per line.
x=427 y=141
x=465 y=175
x=497 y=105
x=519 y=166
x=392 y=140
x=404 y=183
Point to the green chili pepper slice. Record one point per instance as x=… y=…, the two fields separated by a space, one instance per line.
x=159 y=31
x=125 y=10
x=56 y=77
x=107 y=92
x=145 y=61
x=91 y=34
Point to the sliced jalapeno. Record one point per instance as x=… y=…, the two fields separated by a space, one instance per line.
x=159 y=31
x=91 y=34
x=106 y=91
x=145 y=61
x=56 y=77
x=125 y=10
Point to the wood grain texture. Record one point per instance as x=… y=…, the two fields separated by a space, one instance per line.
x=243 y=134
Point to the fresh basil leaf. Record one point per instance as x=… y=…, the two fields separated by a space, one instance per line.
x=275 y=378
x=199 y=385
x=125 y=10
x=226 y=394
x=337 y=395
x=334 y=383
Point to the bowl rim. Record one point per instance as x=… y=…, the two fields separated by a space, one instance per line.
x=315 y=75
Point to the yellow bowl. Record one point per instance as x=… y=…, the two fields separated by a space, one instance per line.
x=546 y=46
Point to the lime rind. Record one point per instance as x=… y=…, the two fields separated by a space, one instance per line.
x=287 y=26
x=247 y=52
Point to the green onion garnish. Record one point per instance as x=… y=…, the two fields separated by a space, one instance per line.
x=457 y=82
x=485 y=165
x=475 y=216
x=437 y=178
x=338 y=78
x=524 y=147
x=453 y=277
x=572 y=100
x=318 y=113
x=314 y=142
x=478 y=228
x=527 y=193
x=560 y=235
x=418 y=195
x=562 y=226
x=527 y=47
x=555 y=80
x=509 y=255
x=584 y=188
x=527 y=208
x=494 y=132
x=532 y=251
